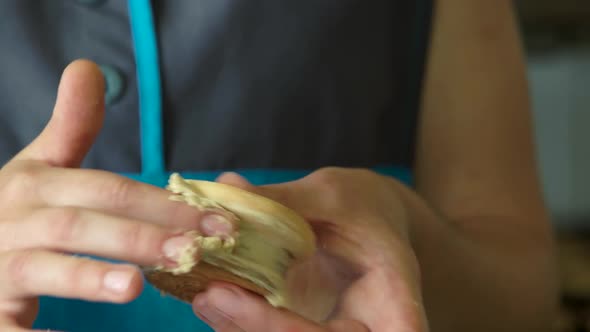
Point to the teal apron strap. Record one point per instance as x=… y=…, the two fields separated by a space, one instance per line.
x=153 y=168
x=150 y=100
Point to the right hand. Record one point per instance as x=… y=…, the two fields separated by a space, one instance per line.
x=51 y=209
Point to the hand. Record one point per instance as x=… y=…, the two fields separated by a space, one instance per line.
x=364 y=277
x=49 y=210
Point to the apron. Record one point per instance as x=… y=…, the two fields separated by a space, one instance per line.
x=151 y=311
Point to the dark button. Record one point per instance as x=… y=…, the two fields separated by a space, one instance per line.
x=115 y=83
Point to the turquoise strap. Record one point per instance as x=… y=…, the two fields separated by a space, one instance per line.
x=153 y=169
x=266 y=176
x=149 y=85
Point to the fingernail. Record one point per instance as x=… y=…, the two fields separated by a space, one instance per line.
x=209 y=314
x=117 y=281
x=173 y=247
x=214 y=225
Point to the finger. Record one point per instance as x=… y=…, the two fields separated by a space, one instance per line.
x=283 y=193
x=296 y=195
x=94 y=233
x=12 y=328
x=236 y=180
x=218 y=321
x=23 y=311
x=7 y=325
x=300 y=196
x=119 y=195
x=29 y=273
x=10 y=325
x=76 y=120
x=228 y=307
x=395 y=304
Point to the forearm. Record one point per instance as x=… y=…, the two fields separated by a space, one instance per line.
x=478 y=225
x=483 y=273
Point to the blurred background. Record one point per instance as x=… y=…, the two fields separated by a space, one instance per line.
x=557 y=38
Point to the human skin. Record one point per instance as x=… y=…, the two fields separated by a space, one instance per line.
x=467 y=248
x=475 y=217
x=50 y=209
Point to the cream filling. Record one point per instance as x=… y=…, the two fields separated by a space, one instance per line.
x=253 y=252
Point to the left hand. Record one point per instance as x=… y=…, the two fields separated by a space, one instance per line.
x=364 y=276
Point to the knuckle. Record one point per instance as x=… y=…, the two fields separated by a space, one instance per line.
x=132 y=238
x=62 y=224
x=367 y=174
x=331 y=175
x=410 y=260
x=119 y=191
x=329 y=181
x=18 y=267
x=328 y=174
x=416 y=321
x=182 y=215
x=79 y=272
x=25 y=178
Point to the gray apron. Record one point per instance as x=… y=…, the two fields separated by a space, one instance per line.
x=270 y=88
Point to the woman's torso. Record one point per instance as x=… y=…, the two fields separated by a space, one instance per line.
x=262 y=86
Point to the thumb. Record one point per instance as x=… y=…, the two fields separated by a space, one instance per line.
x=229 y=308
x=77 y=118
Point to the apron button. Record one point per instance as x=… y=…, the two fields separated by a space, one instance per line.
x=114 y=83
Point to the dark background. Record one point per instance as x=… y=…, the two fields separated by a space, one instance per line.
x=557 y=40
